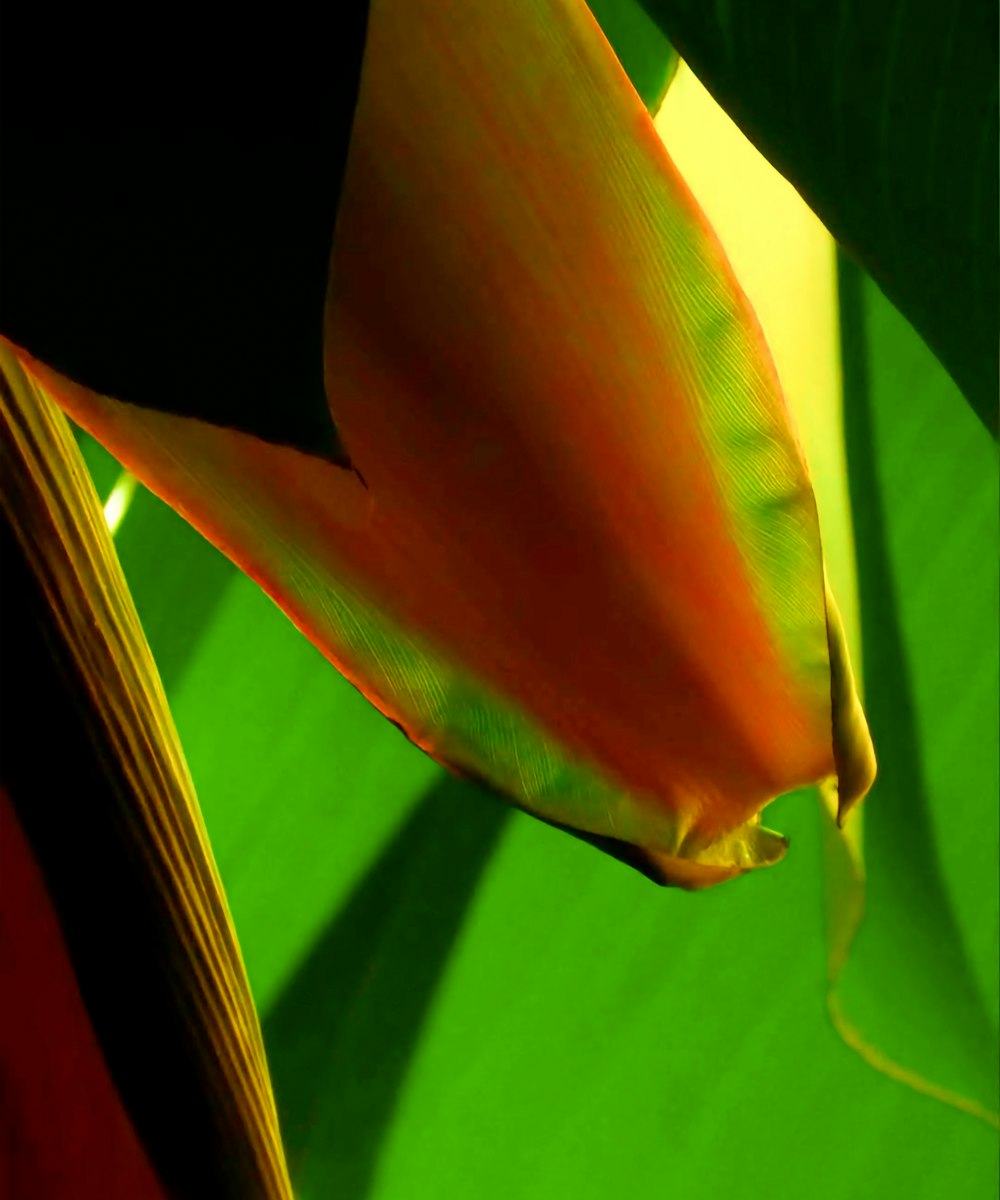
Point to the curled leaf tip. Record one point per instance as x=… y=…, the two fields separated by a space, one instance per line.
x=853 y=751
x=746 y=849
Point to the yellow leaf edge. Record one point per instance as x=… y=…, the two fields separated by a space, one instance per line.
x=47 y=495
x=843 y=839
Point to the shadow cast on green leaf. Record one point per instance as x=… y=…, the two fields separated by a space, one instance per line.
x=175 y=605
x=908 y=985
x=342 y=1034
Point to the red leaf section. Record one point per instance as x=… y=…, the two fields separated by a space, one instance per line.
x=66 y=1134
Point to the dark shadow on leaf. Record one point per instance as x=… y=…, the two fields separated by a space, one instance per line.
x=175 y=606
x=884 y=117
x=910 y=949
x=341 y=1036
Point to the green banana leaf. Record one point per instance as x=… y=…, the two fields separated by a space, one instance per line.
x=648 y=58
x=487 y=1001
x=919 y=986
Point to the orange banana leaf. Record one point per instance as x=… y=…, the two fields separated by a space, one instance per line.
x=574 y=549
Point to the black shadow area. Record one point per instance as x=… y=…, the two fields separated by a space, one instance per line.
x=169 y=193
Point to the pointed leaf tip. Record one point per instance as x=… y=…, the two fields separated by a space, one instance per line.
x=852 y=744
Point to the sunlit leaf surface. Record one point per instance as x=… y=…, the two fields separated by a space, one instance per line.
x=577 y=1033
x=568 y=393
x=574 y=1032
x=925 y=999
x=884 y=115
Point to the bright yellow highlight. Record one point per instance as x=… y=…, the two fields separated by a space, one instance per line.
x=119 y=501
x=785 y=261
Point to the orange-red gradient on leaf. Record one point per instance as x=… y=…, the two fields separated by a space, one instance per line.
x=584 y=561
